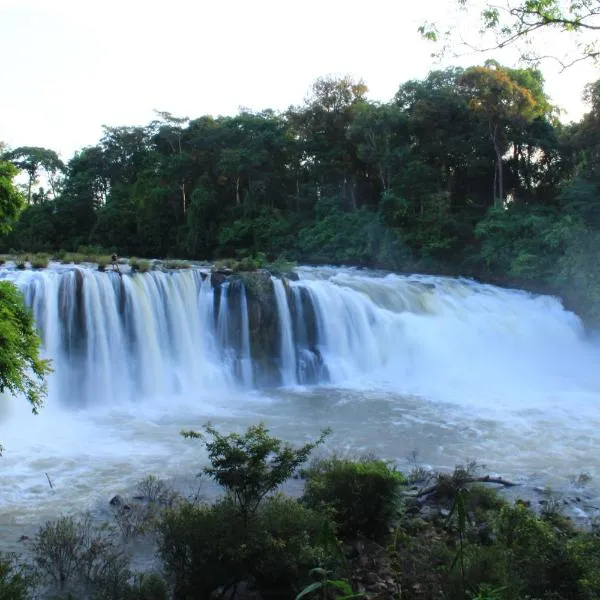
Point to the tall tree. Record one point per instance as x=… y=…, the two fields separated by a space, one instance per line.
x=34 y=160
x=22 y=371
x=503 y=103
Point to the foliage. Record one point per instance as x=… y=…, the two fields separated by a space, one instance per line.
x=251 y=465
x=40 y=261
x=520 y=23
x=14 y=582
x=11 y=200
x=139 y=516
x=143 y=266
x=22 y=371
x=323 y=586
x=466 y=171
x=362 y=495
x=70 y=551
x=205 y=548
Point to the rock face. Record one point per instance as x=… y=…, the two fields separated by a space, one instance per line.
x=262 y=319
x=264 y=324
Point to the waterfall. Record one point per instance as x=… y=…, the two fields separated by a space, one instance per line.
x=126 y=337
x=287 y=353
x=246 y=357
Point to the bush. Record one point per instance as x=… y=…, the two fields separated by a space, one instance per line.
x=14 y=583
x=21 y=263
x=140 y=516
x=143 y=266
x=176 y=264
x=205 y=548
x=40 y=261
x=251 y=465
x=73 y=552
x=361 y=495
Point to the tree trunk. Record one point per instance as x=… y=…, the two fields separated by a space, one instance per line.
x=499 y=196
x=237 y=191
x=183 y=198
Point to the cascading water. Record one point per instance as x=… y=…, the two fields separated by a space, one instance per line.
x=453 y=368
x=287 y=352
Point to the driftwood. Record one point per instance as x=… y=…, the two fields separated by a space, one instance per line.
x=485 y=479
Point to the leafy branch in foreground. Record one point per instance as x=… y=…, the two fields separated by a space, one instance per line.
x=251 y=465
x=22 y=371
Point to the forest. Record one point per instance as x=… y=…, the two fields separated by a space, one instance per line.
x=467 y=172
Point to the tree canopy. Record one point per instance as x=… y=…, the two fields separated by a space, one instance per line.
x=466 y=171
x=22 y=371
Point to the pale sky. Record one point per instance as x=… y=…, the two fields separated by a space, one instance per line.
x=71 y=66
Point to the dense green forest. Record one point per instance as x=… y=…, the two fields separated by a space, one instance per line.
x=468 y=171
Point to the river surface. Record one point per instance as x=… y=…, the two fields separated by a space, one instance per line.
x=451 y=369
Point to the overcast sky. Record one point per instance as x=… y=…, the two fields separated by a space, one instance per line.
x=71 y=66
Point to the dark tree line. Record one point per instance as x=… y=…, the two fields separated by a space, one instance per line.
x=466 y=171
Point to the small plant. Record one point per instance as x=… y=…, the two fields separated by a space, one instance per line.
x=40 y=261
x=21 y=263
x=341 y=589
x=14 y=582
x=580 y=480
x=139 y=516
x=176 y=264
x=362 y=495
x=251 y=465
x=143 y=266
x=418 y=473
x=69 y=551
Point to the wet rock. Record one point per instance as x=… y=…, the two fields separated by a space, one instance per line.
x=119 y=502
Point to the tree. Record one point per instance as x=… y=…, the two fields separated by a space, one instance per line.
x=503 y=103
x=32 y=160
x=518 y=22
x=251 y=465
x=22 y=371
x=11 y=200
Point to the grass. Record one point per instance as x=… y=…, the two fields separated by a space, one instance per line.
x=39 y=261
x=176 y=264
x=143 y=266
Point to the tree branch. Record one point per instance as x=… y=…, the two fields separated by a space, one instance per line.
x=485 y=479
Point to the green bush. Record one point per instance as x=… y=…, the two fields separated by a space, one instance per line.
x=251 y=465
x=205 y=548
x=75 y=555
x=176 y=264
x=361 y=495
x=14 y=583
x=40 y=261
x=143 y=266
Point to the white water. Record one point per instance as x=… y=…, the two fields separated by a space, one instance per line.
x=286 y=338
x=454 y=369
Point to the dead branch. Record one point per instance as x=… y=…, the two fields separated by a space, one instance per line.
x=484 y=479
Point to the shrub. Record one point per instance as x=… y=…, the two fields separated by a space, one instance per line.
x=14 y=583
x=362 y=495
x=176 y=264
x=21 y=263
x=208 y=548
x=40 y=261
x=251 y=465
x=143 y=266
x=140 y=516
x=70 y=551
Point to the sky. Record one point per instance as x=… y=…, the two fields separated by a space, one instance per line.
x=71 y=66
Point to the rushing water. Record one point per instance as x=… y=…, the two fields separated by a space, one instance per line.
x=450 y=368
